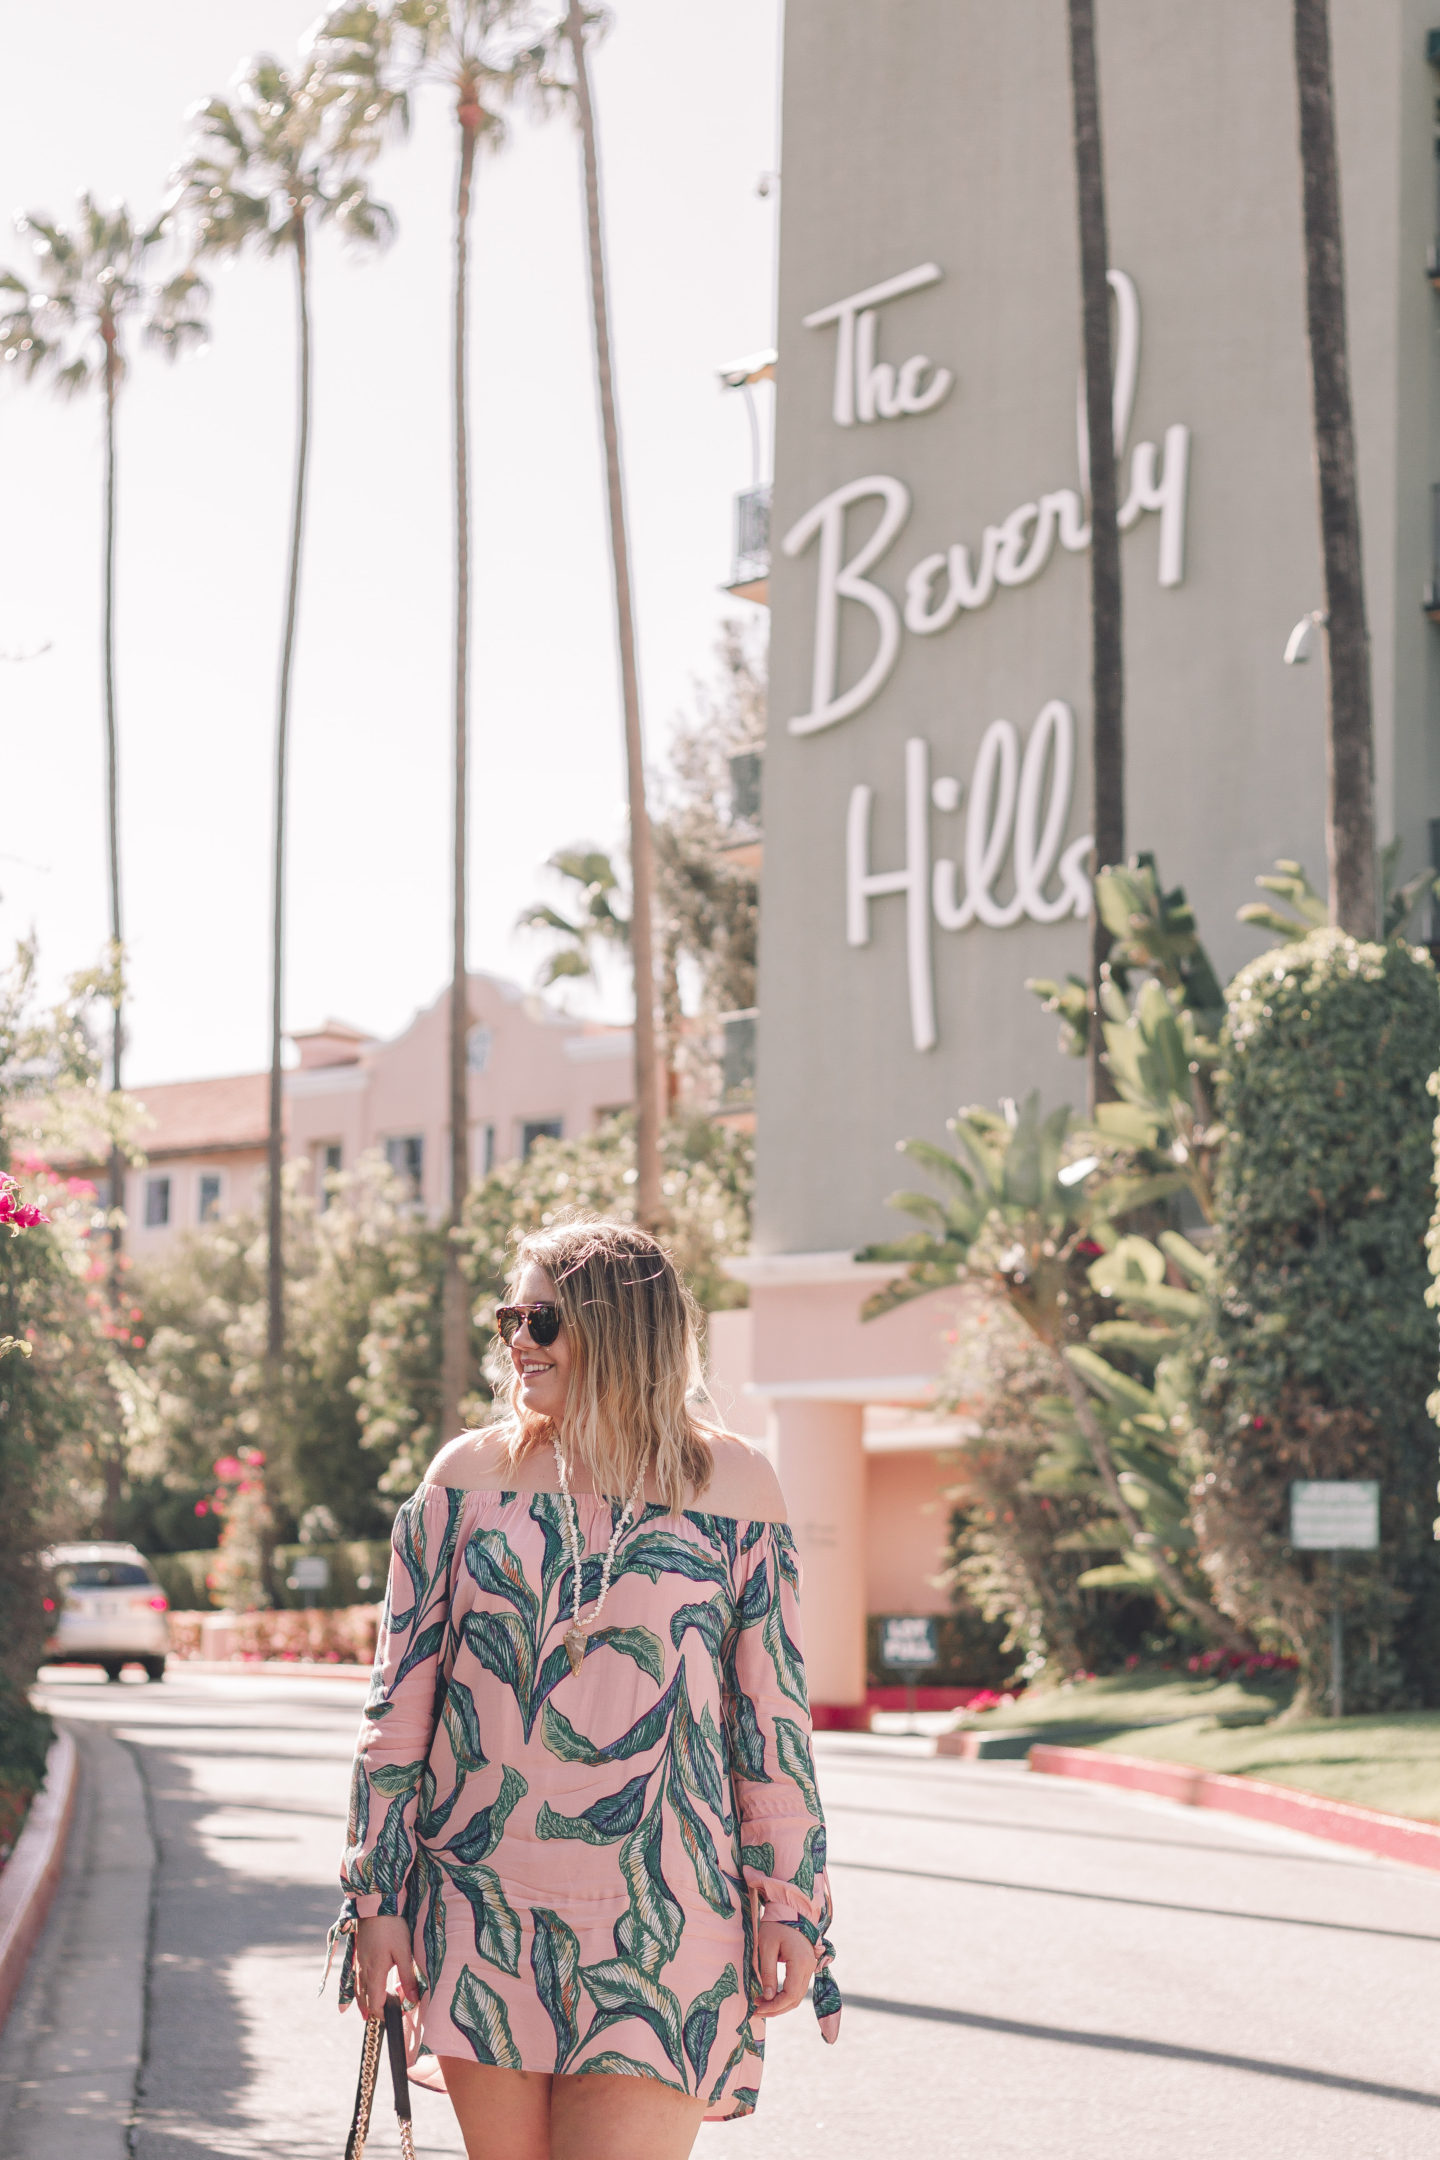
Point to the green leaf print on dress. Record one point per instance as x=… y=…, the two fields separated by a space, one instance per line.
x=478 y=2012
x=589 y=1908
x=621 y=1989
x=703 y=2021
x=555 y=1962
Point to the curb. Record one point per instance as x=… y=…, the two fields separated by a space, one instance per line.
x=29 y=1881
x=1388 y=1837
x=267 y=1668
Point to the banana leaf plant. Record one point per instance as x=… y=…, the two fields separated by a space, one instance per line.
x=1025 y=1217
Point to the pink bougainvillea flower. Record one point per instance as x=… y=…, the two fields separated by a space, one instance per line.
x=202 y=1507
x=80 y=1188
x=229 y=1468
x=253 y=1455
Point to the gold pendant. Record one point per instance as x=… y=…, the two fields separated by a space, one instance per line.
x=575 y=1646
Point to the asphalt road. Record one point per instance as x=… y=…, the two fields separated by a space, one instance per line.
x=1031 y=1967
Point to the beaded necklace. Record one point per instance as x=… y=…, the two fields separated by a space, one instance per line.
x=575 y=1634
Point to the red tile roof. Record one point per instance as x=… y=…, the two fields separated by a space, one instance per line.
x=194 y=1117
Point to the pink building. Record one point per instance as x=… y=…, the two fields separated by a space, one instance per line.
x=533 y=1072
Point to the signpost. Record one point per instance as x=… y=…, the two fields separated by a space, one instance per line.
x=909 y=1644
x=312 y=1574
x=1337 y=1516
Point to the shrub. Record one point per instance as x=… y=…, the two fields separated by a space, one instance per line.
x=1319 y=1353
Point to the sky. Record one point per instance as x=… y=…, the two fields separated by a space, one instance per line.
x=688 y=108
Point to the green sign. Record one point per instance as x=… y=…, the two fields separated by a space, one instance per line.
x=908 y=1641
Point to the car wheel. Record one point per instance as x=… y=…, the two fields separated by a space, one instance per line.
x=112 y=1668
x=154 y=1668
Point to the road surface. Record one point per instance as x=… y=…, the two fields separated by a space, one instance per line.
x=1031 y=1967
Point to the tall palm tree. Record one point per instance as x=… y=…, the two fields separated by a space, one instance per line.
x=67 y=322
x=268 y=163
x=648 y=1203
x=1349 y=732
x=484 y=55
x=1107 y=666
x=577 y=940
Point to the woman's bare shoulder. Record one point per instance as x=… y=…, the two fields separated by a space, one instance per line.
x=475 y=1462
x=742 y=1483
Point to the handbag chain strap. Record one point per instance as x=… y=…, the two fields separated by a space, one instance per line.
x=390 y=2027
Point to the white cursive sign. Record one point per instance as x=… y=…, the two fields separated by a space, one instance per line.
x=868 y=388
x=1017 y=808
x=942 y=586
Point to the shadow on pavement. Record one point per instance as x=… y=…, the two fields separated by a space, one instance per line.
x=1140 y=1904
x=200 y=2069
x=1126 y=2044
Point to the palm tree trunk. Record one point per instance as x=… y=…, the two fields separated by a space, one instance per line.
x=274 y=1201
x=648 y=1207
x=111 y=1509
x=455 y=1317
x=1107 y=652
x=1349 y=732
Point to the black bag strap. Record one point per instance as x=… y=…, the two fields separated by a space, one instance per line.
x=392 y=2027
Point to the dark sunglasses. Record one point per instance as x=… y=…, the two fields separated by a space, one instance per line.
x=543 y=1321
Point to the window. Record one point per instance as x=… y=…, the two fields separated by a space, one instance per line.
x=157 y=1202
x=533 y=1129
x=484 y=1150
x=209 y=1206
x=103 y=1575
x=478 y=1045
x=329 y=1159
x=405 y=1153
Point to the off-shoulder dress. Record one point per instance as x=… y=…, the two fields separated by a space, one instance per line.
x=583 y=1858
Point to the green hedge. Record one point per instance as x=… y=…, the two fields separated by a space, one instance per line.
x=182 y=1575
x=1320 y=1355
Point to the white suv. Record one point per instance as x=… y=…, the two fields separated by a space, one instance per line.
x=105 y=1608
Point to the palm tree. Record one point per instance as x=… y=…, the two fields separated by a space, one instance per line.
x=1349 y=735
x=1107 y=664
x=269 y=163
x=576 y=939
x=648 y=1202
x=484 y=55
x=67 y=323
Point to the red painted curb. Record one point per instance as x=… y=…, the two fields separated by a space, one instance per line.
x=1390 y=1837
x=29 y=1881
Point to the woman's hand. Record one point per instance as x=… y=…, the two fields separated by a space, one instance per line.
x=777 y=1945
x=383 y=1946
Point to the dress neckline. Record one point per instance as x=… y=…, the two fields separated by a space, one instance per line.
x=651 y=1510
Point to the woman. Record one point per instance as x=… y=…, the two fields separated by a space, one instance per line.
x=584 y=1804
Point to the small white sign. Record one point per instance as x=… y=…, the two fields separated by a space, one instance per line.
x=1335 y=1515
x=312 y=1572
x=907 y=1641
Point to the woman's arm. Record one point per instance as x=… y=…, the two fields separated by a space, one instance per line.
x=782 y=1833
x=392 y=1751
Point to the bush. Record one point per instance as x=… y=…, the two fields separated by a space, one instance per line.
x=343 y=1637
x=1319 y=1355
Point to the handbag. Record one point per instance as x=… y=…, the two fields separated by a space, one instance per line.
x=392 y=2027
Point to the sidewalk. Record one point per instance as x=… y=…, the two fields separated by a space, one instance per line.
x=71 y=2050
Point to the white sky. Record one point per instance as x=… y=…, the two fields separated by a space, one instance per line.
x=687 y=104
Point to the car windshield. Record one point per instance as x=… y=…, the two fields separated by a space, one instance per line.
x=102 y=1575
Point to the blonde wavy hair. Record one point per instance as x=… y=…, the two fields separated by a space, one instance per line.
x=631 y=1325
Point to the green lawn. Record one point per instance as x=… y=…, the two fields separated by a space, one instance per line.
x=1391 y=1763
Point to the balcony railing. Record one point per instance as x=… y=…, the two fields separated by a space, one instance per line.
x=737 y=1059
x=1432 y=590
x=752 y=536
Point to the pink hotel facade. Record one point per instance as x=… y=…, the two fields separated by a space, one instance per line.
x=533 y=1071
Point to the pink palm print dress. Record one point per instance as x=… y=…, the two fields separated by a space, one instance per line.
x=583 y=1858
